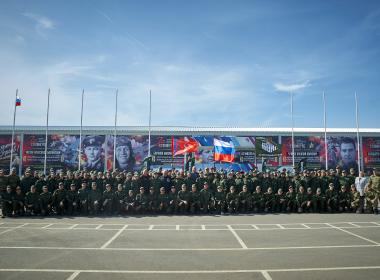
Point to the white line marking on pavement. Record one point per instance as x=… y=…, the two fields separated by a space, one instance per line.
x=191 y=271
x=266 y=275
x=150 y=227
x=99 y=226
x=375 y=223
x=114 y=237
x=280 y=226
x=177 y=227
x=354 y=234
x=255 y=227
x=237 y=237
x=203 y=227
x=73 y=276
x=13 y=228
x=354 y=225
x=46 y=226
x=73 y=226
x=306 y=226
x=191 y=249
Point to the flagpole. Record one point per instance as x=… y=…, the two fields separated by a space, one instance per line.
x=150 y=120
x=80 y=132
x=13 y=132
x=114 y=137
x=291 y=112
x=357 y=129
x=324 y=122
x=46 y=133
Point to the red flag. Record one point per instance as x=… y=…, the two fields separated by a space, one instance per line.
x=183 y=145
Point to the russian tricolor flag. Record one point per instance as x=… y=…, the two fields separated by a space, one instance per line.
x=224 y=151
x=18 y=101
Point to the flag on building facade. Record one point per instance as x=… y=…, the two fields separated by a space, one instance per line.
x=184 y=145
x=224 y=151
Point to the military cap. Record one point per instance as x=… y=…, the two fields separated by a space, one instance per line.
x=92 y=141
x=122 y=141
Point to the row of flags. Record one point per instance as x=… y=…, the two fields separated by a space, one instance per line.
x=223 y=151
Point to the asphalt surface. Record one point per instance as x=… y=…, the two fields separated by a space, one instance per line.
x=309 y=246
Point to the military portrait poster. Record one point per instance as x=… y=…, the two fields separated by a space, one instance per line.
x=342 y=151
x=5 y=151
x=131 y=151
x=93 y=152
x=371 y=152
x=62 y=152
x=309 y=150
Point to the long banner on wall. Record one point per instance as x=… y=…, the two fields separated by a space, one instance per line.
x=131 y=150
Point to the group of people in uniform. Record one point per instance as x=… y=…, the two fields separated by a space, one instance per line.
x=179 y=192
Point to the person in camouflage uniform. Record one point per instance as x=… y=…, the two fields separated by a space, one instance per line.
x=245 y=200
x=374 y=183
x=120 y=194
x=206 y=198
x=32 y=202
x=72 y=200
x=152 y=201
x=355 y=198
x=371 y=198
x=319 y=201
x=163 y=201
x=108 y=200
x=18 y=202
x=291 y=198
x=141 y=201
x=331 y=198
x=280 y=201
x=46 y=201
x=219 y=201
x=232 y=200
x=173 y=200
x=344 y=200
x=184 y=198
x=302 y=200
x=195 y=200
x=59 y=199
x=258 y=200
x=83 y=199
x=6 y=202
x=130 y=202
x=13 y=180
x=94 y=199
x=269 y=201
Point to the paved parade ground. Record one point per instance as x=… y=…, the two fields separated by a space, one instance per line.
x=309 y=246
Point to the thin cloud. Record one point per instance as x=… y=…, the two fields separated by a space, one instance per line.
x=107 y=17
x=290 y=87
x=42 y=23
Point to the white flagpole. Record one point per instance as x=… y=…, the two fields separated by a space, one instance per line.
x=291 y=112
x=357 y=129
x=150 y=120
x=324 y=122
x=46 y=133
x=13 y=132
x=114 y=134
x=80 y=132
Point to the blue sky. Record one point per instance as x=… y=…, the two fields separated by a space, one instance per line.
x=208 y=63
